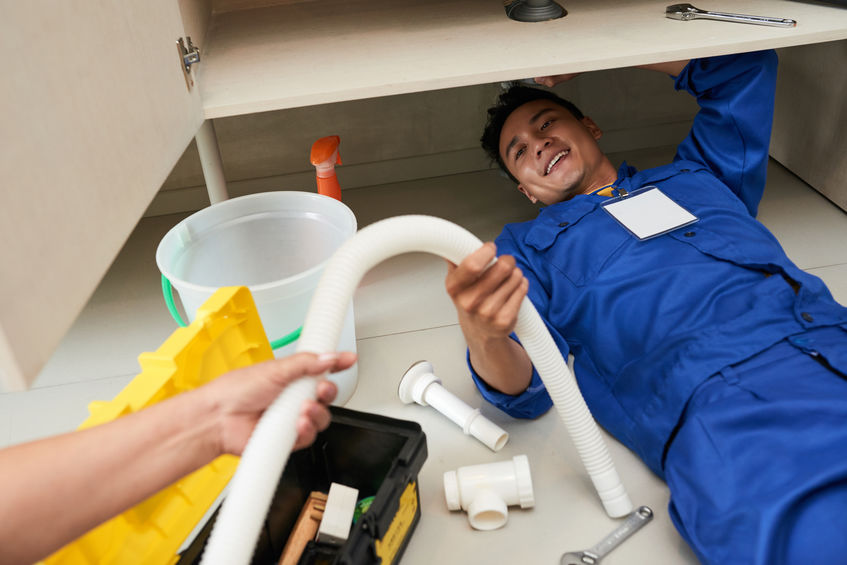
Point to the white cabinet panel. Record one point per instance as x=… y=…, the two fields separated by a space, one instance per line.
x=304 y=53
x=91 y=92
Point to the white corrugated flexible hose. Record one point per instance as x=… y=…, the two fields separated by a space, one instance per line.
x=242 y=513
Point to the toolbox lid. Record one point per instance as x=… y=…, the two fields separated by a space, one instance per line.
x=227 y=334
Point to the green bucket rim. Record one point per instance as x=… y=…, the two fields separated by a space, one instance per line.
x=168 y=293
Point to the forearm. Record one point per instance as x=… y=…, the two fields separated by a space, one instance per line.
x=672 y=68
x=57 y=489
x=502 y=363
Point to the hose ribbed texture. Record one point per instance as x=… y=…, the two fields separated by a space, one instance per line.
x=251 y=489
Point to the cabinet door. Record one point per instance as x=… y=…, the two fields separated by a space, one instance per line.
x=810 y=119
x=95 y=112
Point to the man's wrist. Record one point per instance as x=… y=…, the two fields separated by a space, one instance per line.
x=503 y=364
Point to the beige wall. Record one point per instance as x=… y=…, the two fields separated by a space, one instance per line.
x=413 y=136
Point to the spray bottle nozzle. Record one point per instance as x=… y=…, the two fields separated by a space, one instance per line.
x=324 y=157
x=325 y=154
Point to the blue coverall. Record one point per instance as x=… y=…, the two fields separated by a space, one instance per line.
x=705 y=350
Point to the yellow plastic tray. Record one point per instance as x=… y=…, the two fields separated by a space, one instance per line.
x=226 y=334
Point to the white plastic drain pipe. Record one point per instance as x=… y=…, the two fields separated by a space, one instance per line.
x=420 y=385
x=251 y=490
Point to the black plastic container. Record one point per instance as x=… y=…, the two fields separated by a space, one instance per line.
x=381 y=457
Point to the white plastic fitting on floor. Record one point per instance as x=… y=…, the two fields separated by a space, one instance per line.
x=420 y=385
x=485 y=491
x=251 y=490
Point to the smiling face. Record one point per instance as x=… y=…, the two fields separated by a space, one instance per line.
x=553 y=155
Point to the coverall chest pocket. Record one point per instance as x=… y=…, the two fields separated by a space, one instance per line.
x=582 y=250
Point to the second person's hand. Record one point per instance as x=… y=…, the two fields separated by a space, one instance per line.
x=240 y=397
x=552 y=80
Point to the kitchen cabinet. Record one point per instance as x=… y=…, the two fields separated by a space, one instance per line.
x=97 y=91
x=91 y=92
x=810 y=118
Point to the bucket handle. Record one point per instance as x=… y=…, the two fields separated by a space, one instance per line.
x=168 y=293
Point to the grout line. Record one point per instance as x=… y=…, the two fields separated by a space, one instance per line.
x=408 y=332
x=417 y=180
x=74 y=383
x=826 y=266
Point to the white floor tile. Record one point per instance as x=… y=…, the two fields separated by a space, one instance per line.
x=47 y=411
x=835 y=277
x=811 y=229
x=382 y=309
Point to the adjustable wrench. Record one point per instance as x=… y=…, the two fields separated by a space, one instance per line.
x=687 y=12
x=632 y=524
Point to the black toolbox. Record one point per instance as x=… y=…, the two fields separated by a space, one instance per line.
x=379 y=456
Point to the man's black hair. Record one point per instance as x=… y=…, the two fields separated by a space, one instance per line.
x=517 y=95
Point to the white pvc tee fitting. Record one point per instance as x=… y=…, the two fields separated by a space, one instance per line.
x=485 y=491
x=420 y=385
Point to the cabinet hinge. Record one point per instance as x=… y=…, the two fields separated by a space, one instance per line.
x=189 y=55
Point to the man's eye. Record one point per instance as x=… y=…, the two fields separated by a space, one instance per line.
x=519 y=152
x=545 y=124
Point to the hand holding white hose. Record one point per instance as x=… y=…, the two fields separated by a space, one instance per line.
x=251 y=490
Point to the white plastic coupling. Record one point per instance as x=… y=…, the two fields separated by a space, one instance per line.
x=420 y=385
x=485 y=491
x=338 y=514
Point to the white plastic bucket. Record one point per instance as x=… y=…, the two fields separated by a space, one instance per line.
x=276 y=244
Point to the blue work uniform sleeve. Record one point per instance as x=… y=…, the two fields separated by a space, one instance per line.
x=731 y=132
x=531 y=403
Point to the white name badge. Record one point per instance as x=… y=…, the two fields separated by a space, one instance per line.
x=648 y=212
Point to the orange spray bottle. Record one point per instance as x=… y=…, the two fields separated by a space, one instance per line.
x=324 y=157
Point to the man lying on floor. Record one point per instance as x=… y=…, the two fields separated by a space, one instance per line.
x=700 y=346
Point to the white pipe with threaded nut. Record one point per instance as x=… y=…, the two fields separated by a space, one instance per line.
x=419 y=384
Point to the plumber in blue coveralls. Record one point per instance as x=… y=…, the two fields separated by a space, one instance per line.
x=697 y=342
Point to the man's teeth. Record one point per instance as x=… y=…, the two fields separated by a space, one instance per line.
x=555 y=160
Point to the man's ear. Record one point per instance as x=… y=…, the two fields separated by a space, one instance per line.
x=592 y=127
x=526 y=193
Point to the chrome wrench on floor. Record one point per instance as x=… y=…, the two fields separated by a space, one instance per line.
x=687 y=12
x=632 y=524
